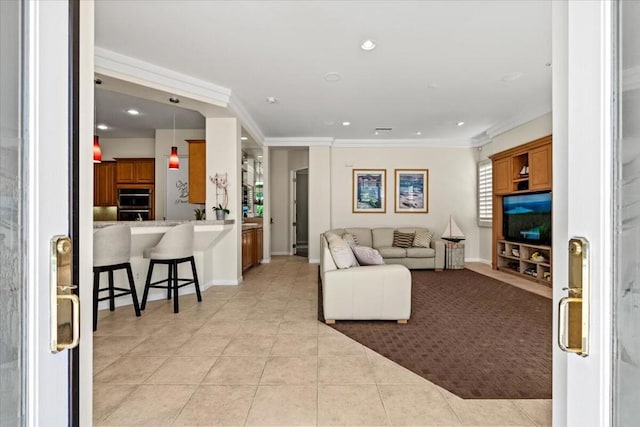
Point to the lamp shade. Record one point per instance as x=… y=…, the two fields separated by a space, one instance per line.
x=174 y=161
x=97 y=152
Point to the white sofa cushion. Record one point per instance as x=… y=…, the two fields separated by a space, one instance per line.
x=392 y=252
x=367 y=256
x=382 y=237
x=420 y=253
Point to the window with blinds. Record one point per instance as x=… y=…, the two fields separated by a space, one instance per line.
x=485 y=199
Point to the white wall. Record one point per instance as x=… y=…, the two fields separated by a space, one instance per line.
x=320 y=198
x=127 y=147
x=537 y=128
x=452 y=188
x=163 y=143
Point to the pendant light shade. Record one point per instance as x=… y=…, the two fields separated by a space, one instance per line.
x=97 y=152
x=174 y=161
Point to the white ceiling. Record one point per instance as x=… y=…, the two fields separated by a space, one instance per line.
x=436 y=62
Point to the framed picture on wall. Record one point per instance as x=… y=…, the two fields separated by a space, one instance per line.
x=411 y=191
x=369 y=190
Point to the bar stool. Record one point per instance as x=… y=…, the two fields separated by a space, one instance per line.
x=111 y=252
x=175 y=247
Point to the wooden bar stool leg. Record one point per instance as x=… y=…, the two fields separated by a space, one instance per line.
x=176 y=307
x=112 y=300
x=195 y=279
x=132 y=286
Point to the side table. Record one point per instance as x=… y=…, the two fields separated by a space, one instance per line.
x=454 y=255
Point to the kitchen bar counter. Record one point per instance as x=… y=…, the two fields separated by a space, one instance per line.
x=146 y=234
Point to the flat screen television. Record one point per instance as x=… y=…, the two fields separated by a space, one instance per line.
x=526 y=218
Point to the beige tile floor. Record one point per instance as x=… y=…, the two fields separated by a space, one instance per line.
x=255 y=355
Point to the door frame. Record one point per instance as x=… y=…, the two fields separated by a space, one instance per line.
x=583 y=182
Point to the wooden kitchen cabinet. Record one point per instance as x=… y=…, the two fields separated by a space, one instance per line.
x=252 y=253
x=104 y=184
x=197 y=170
x=135 y=171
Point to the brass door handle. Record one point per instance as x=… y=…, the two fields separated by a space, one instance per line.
x=64 y=305
x=75 y=325
x=563 y=325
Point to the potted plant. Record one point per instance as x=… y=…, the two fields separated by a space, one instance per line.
x=221 y=211
x=221 y=182
x=199 y=213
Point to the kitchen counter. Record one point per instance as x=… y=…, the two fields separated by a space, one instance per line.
x=147 y=234
x=166 y=223
x=250 y=226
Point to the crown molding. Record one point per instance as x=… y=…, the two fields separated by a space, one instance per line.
x=298 y=142
x=144 y=73
x=247 y=121
x=512 y=123
x=402 y=143
x=631 y=79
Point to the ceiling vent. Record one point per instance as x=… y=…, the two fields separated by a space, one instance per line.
x=384 y=130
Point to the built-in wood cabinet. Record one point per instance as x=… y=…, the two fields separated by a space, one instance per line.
x=252 y=251
x=520 y=170
x=197 y=170
x=135 y=171
x=104 y=184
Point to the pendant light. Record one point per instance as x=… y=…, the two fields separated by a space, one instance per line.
x=174 y=160
x=97 y=152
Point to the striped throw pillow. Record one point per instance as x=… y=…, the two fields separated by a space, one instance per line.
x=402 y=240
x=422 y=239
x=351 y=239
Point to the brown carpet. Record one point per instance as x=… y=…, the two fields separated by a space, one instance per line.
x=473 y=335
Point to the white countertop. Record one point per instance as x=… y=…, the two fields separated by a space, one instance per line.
x=221 y=224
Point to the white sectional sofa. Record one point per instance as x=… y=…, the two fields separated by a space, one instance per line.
x=364 y=292
x=382 y=240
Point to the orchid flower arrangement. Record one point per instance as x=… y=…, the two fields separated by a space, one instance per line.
x=221 y=181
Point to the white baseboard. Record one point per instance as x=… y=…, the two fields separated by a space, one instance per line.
x=265 y=260
x=280 y=253
x=227 y=282
x=483 y=261
x=314 y=260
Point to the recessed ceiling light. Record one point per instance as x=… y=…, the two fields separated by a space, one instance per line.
x=133 y=111
x=259 y=157
x=376 y=133
x=368 y=45
x=102 y=126
x=174 y=100
x=459 y=123
x=272 y=100
x=346 y=123
x=509 y=77
x=418 y=133
x=244 y=138
x=332 y=77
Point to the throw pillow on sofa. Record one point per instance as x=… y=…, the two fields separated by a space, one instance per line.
x=422 y=239
x=351 y=239
x=402 y=240
x=367 y=256
x=342 y=253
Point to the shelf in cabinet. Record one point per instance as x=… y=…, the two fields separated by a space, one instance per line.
x=525 y=178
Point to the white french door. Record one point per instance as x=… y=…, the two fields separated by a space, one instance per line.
x=597 y=196
x=34 y=207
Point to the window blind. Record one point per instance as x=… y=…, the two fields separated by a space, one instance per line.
x=485 y=196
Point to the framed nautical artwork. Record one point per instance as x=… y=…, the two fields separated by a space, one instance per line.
x=369 y=190
x=411 y=191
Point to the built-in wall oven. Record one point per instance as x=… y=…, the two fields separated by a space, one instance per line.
x=134 y=204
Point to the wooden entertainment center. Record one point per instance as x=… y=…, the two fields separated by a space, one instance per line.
x=522 y=170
